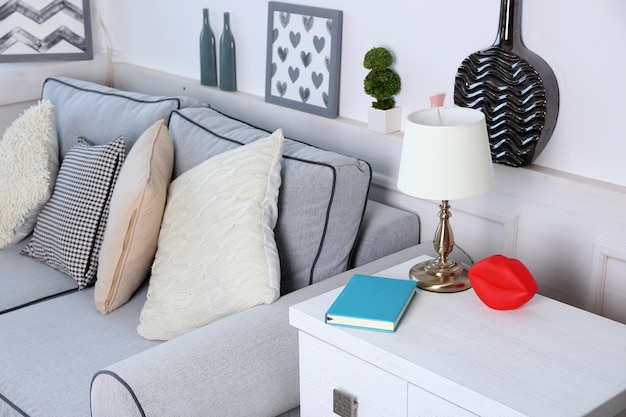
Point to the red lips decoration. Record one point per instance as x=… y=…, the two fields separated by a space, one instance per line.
x=502 y=283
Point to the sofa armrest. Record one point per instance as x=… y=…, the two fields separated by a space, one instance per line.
x=384 y=230
x=243 y=365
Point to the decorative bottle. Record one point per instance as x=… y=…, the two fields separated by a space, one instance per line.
x=208 y=67
x=228 y=69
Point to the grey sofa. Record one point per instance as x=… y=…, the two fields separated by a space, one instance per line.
x=60 y=357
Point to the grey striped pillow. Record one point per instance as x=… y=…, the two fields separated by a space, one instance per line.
x=69 y=229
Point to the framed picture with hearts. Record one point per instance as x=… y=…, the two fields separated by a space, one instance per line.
x=303 y=58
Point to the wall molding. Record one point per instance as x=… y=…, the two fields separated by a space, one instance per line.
x=509 y=223
x=603 y=251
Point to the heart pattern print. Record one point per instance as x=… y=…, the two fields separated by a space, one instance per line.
x=300 y=70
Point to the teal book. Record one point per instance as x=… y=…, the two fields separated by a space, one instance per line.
x=373 y=303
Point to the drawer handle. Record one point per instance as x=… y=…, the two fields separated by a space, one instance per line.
x=343 y=404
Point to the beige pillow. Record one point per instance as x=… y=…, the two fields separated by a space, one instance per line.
x=29 y=162
x=217 y=254
x=135 y=216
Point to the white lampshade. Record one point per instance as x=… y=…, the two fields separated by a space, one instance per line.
x=446 y=154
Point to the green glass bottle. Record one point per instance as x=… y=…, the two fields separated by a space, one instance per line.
x=228 y=69
x=208 y=64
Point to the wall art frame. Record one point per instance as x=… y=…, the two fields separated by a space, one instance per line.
x=304 y=58
x=60 y=30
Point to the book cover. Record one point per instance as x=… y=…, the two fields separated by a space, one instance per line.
x=370 y=302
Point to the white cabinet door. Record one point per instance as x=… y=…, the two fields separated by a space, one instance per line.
x=324 y=368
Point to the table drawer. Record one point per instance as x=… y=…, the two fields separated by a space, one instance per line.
x=424 y=404
x=324 y=368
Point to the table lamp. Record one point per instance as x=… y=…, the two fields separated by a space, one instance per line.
x=445 y=156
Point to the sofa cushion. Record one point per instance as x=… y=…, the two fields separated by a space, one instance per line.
x=321 y=201
x=29 y=161
x=50 y=351
x=26 y=281
x=100 y=113
x=384 y=230
x=137 y=204
x=216 y=253
x=69 y=228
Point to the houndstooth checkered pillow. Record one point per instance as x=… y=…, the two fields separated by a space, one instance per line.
x=69 y=229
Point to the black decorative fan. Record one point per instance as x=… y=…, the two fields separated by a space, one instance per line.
x=515 y=89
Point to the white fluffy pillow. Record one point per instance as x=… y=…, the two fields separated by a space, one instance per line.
x=29 y=161
x=216 y=251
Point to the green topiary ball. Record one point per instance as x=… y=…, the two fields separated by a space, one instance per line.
x=382 y=85
x=377 y=59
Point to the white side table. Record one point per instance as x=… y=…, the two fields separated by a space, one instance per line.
x=454 y=356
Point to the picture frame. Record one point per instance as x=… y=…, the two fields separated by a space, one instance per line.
x=56 y=31
x=304 y=58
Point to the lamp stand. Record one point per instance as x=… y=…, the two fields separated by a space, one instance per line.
x=442 y=274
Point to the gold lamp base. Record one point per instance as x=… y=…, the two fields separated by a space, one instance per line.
x=433 y=276
x=442 y=274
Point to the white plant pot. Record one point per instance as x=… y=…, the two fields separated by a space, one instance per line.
x=384 y=121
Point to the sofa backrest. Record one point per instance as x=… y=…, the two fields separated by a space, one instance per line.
x=321 y=201
x=101 y=114
x=322 y=197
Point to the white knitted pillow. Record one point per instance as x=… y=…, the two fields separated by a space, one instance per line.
x=216 y=252
x=29 y=161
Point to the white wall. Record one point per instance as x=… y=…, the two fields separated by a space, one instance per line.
x=581 y=41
